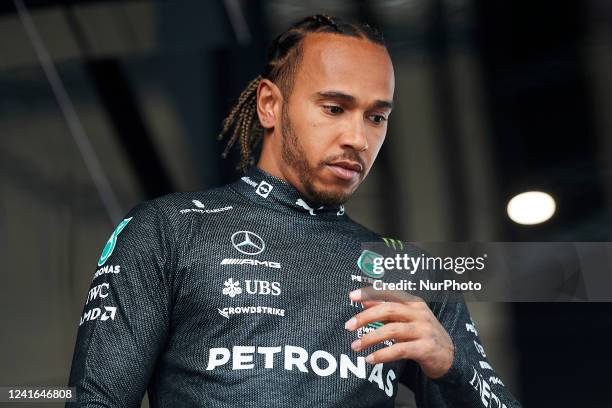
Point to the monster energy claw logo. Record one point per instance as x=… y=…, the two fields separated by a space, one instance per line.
x=112 y=241
x=366 y=264
x=390 y=242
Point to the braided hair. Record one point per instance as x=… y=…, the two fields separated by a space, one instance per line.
x=284 y=57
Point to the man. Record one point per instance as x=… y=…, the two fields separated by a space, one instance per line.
x=239 y=296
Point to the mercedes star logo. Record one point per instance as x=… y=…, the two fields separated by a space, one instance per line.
x=248 y=242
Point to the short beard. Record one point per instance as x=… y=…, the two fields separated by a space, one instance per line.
x=294 y=157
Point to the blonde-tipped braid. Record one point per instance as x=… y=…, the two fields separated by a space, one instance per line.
x=240 y=123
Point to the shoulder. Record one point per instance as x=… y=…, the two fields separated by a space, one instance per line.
x=172 y=206
x=172 y=210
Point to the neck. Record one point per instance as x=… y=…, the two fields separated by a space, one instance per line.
x=271 y=162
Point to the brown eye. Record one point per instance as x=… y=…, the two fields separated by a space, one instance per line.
x=378 y=119
x=333 y=109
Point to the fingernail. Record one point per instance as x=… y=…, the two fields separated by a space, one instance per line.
x=355 y=295
x=350 y=325
x=370 y=359
x=356 y=345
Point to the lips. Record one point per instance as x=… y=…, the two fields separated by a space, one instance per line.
x=346 y=170
x=349 y=165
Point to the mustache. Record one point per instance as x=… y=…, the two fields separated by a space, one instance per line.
x=350 y=155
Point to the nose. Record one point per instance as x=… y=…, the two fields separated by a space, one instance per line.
x=355 y=137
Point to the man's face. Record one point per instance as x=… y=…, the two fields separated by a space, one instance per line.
x=335 y=120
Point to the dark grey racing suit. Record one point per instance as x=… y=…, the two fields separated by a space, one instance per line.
x=237 y=297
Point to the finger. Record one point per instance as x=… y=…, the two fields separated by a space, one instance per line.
x=370 y=294
x=369 y=304
x=383 y=312
x=409 y=350
x=397 y=332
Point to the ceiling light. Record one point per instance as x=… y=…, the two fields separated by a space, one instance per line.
x=531 y=207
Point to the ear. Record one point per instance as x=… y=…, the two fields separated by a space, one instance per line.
x=269 y=102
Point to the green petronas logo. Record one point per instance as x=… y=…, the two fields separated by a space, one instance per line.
x=366 y=264
x=112 y=241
